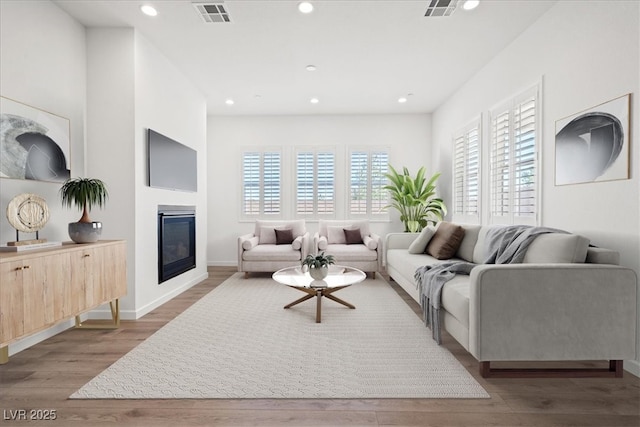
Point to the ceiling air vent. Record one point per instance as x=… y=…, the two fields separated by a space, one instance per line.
x=213 y=13
x=441 y=7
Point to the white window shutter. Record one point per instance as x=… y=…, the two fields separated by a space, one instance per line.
x=367 y=169
x=304 y=183
x=359 y=173
x=513 y=164
x=524 y=164
x=500 y=180
x=261 y=183
x=315 y=183
x=326 y=193
x=466 y=174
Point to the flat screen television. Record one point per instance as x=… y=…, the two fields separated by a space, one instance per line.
x=172 y=166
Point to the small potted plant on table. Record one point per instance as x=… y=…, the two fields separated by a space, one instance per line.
x=318 y=265
x=84 y=193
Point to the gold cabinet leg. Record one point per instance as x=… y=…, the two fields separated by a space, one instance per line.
x=4 y=355
x=115 y=319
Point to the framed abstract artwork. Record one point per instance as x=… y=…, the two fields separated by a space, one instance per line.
x=34 y=144
x=593 y=145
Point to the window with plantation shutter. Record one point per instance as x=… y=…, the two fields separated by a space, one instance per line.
x=466 y=174
x=367 y=169
x=315 y=183
x=261 y=183
x=513 y=161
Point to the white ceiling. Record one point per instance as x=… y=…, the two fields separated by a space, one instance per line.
x=368 y=53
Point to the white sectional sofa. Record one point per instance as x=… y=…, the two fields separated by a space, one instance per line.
x=565 y=301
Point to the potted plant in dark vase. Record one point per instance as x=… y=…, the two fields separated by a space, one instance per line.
x=318 y=265
x=84 y=193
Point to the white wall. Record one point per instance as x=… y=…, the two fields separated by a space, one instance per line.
x=167 y=103
x=586 y=53
x=133 y=87
x=44 y=69
x=406 y=136
x=110 y=136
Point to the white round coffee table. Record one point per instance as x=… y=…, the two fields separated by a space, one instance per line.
x=339 y=277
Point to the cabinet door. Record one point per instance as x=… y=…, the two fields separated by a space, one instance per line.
x=11 y=301
x=105 y=274
x=114 y=277
x=58 y=280
x=44 y=280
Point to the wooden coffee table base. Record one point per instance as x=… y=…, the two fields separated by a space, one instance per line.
x=319 y=293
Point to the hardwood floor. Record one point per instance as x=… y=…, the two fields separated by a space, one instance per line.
x=43 y=376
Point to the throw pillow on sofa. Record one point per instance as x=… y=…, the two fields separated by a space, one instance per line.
x=446 y=240
x=352 y=236
x=335 y=235
x=284 y=236
x=267 y=236
x=419 y=245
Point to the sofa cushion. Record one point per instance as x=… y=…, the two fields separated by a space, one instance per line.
x=267 y=236
x=284 y=236
x=465 y=251
x=352 y=236
x=324 y=224
x=345 y=253
x=296 y=245
x=557 y=248
x=370 y=242
x=322 y=243
x=335 y=235
x=419 y=245
x=271 y=253
x=445 y=242
x=250 y=243
x=297 y=226
x=407 y=263
x=455 y=298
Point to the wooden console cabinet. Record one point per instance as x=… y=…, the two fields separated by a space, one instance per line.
x=43 y=287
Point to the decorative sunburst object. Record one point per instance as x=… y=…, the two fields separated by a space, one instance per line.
x=27 y=212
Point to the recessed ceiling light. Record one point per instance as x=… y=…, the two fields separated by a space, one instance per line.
x=305 y=7
x=402 y=100
x=148 y=10
x=310 y=68
x=470 y=4
x=314 y=100
x=229 y=101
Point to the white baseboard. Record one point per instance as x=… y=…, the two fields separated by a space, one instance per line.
x=105 y=313
x=31 y=340
x=633 y=367
x=222 y=263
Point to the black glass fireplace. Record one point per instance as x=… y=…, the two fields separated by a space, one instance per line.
x=176 y=241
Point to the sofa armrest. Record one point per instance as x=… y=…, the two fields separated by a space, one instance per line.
x=379 y=249
x=319 y=243
x=241 y=240
x=304 y=250
x=552 y=312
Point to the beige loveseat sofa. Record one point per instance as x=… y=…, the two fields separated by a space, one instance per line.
x=565 y=301
x=364 y=251
x=273 y=245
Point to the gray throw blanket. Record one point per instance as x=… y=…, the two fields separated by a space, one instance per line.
x=503 y=245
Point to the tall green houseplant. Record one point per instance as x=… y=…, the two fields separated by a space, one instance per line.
x=415 y=198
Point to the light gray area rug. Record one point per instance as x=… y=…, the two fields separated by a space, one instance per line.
x=239 y=342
